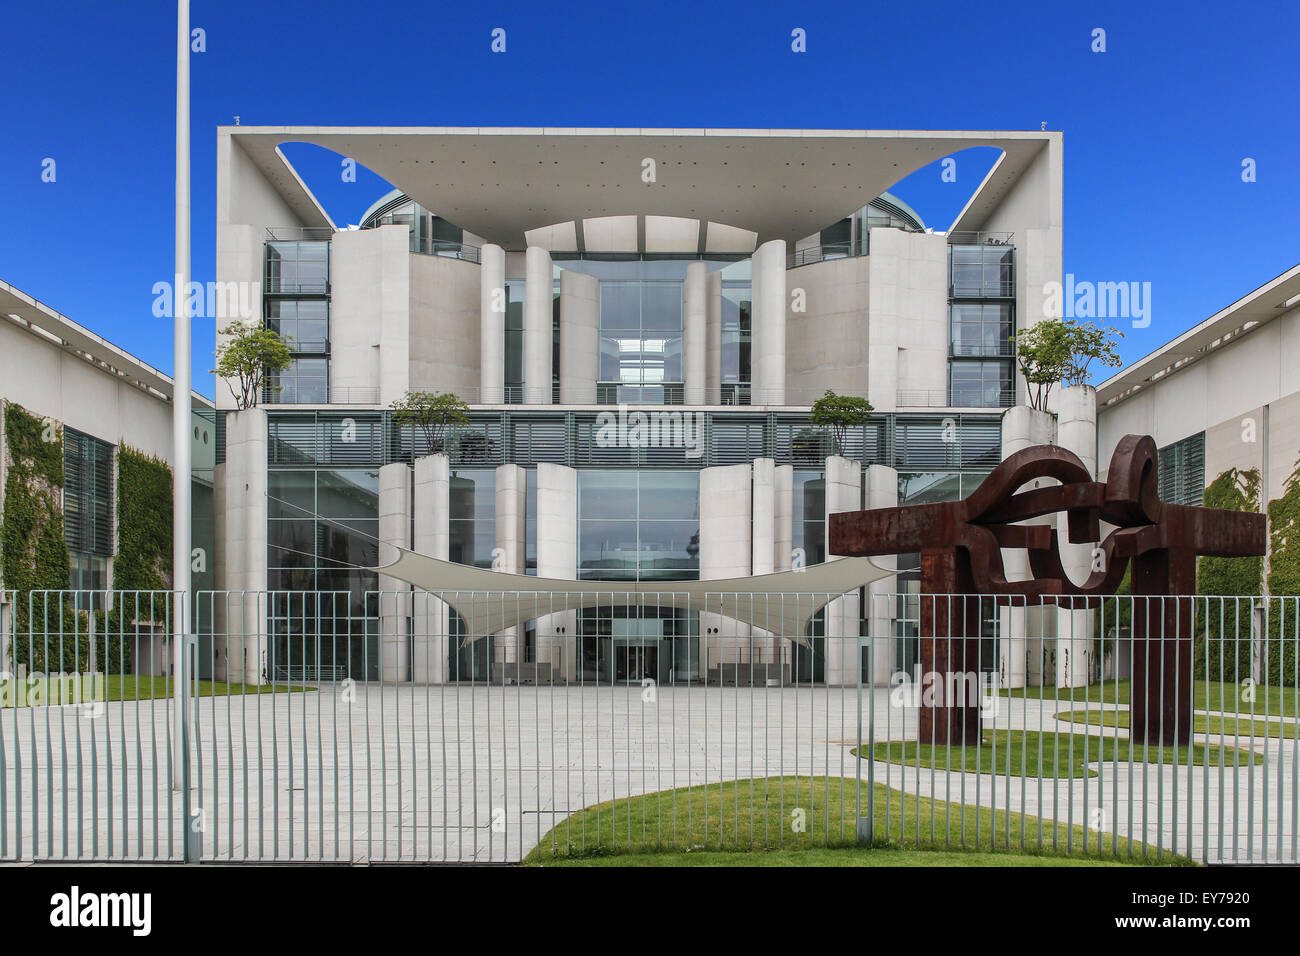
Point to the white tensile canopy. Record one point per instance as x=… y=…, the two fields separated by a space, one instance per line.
x=492 y=601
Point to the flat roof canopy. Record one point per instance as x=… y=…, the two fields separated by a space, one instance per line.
x=498 y=183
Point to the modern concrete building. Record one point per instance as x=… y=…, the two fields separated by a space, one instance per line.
x=639 y=321
x=1224 y=394
x=96 y=400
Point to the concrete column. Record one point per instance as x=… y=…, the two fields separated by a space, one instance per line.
x=557 y=557
x=395 y=595
x=431 y=536
x=713 y=338
x=1076 y=431
x=580 y=333
x=725 y=552
x=492 y=324
x=539 y=305
x=510 y=505
x=882 y=610
x=843 y=493
x=763 y=546
x=239 y=500
x=694 y=334
x=1021 y=629
x=782 y=542
x=767 y=353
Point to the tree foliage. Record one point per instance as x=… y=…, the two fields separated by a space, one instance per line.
x=1062 y=350
x=433 y=414
x=838 y=413
x=249 y=354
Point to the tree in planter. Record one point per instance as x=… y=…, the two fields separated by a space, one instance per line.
x=432 y=414
x=1061 y=350
x=1089 y=342
x=837 y=413
x=249 y=355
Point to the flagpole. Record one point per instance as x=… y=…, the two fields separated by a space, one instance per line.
x=181 y=389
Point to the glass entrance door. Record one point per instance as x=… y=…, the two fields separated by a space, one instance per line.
x=635 y=642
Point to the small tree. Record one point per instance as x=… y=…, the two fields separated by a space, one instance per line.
x=1043 y=353
x=248 y=356
x=836 y=413
x=1059 y=350
x=1088 y=341
x=432 y=414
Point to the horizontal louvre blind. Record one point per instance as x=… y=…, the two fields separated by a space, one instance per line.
x=87 y=493
x=1182 y=471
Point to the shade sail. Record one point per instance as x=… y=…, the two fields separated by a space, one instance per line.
x=492 y=601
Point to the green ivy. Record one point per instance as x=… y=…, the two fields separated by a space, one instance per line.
x=144 y=552
x=33 y=552
x=1223 y=628
x=1284 y=581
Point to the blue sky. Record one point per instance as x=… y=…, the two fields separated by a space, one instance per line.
x=1156 y=127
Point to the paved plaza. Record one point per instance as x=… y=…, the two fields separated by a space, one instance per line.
x=370 y=773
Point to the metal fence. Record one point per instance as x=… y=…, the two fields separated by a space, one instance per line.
x=344 y=727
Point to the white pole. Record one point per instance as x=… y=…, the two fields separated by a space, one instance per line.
x=181 y=392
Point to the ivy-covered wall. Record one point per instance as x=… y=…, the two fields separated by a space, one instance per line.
x=1284 y=582
x=142 y=565
x=33 y=553
x=1223 y=628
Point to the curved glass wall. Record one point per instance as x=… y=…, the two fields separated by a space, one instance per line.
x=430 y=233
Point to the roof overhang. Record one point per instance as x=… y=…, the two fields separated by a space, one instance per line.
x=1248 y=314
x=492 y=601
x=499 y=183
x=60 y=331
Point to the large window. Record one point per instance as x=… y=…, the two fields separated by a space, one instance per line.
x=638 y=525
x=472 y=523
x=322 y=531
x=87 y=494
x=296 y=268
x=641 y=339
x=984 y=270
x=296 y=305
x=304 y=322
x=982 y=321
x=981 y=329
x=737 y=333
x=1182 y=471
x=980 y=384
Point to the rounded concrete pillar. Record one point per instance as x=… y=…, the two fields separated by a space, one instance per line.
x=1076 y=431
x=580 y=333
x=492 y=324
x=767 y=354
x=694 y=333
x=1021 y=629
x=539 y=305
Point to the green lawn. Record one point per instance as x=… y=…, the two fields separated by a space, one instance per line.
x=1223 y=696
x=119 y=687
x=1240 y=728
x=754 y=822
x=837 y=856
x=1048 y=754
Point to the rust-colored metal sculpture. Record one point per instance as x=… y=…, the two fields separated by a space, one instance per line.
x=960 y=544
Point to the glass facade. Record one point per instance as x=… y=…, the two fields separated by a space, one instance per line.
x=808 y=664
x=737 y=332
x=638 y=525
x=430 y=234
x=981 y=296
x=636 y=522
x=296 y=305
x=641 y=338
x=322 y=535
